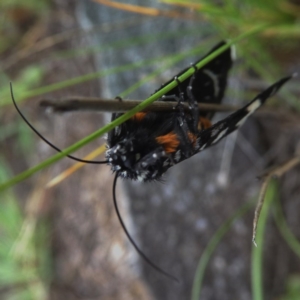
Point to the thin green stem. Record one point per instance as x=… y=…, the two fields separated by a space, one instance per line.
x=212 y=245
x=286 y=233
x=128 y=114
x=257 y=251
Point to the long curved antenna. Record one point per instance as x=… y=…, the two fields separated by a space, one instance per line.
x=45 y=140
x=154 y=266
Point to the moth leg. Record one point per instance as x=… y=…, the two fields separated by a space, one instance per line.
x=181 y=123
x=193 y=103
x=187 y=144
x=114 y=116
x=180 y=99
x=120 y=99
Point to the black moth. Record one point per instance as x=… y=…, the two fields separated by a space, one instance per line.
x=144 y=147
x=147 y=145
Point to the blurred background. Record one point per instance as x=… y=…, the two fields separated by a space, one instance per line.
x=64 y=241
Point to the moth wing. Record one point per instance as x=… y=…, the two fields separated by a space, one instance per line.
x=210 y=81
x=219 y=130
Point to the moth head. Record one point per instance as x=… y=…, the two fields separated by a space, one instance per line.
x=138 y=163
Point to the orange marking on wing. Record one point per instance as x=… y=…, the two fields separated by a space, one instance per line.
x=203 y=123
x=193 y=138
x=169 y=141
x=139 y=116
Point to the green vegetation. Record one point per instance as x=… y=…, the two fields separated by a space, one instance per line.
x=25 y=260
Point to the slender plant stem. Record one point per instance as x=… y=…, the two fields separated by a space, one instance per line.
x=211 y=246
x=115 y=105
x=257 y=250
x=130 y=113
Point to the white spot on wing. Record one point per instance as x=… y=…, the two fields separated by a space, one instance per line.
x=166 y=163
x=220 y=135
x=214 y=79
x=251 y=109
x=177 y=156
x=154 y=174
x=254 y=106
x=242 y=121
x=233 y=52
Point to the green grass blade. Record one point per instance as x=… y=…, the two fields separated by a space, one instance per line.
x=77 y=80
x=286 y=233
x=127 y=115
x=212 y=245
x=257 y=252
x=142 y=39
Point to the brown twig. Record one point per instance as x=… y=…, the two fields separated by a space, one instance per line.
x=145 y=10
x=259 y=205
x=55 y=39
x=276 y=171
x=117 y=105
